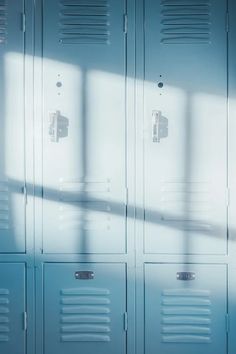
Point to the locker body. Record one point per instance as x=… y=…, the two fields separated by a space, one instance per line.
x=84 y=308
x=185 y=308
x=130 y=119
x=12 y=132
x=12 y=308
x=84 y=127
x=185 y=115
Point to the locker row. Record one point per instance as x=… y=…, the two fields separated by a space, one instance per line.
x=83 y=308
x=102 y=124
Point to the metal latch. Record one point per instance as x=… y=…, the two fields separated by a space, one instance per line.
x=58 y=126
x=84 y=275
x=159 y=126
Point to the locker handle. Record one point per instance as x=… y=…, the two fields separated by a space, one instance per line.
x=58 y=126
x=155 y=126
x=159 y=126
x=53 y=126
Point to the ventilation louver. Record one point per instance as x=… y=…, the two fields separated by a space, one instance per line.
x=84 y=22
x=3 y=22
x=185 y=21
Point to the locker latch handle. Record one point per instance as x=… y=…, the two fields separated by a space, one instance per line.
x=159 y=126
x=155 y=126
x=58 y=126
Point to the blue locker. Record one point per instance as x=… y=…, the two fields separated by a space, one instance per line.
x=185 y=99
x=12 y=164
x=84 y=308
x=12 y=308
x=84 y=127
x=185 y=309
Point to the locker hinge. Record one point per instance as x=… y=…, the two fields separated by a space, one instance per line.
x=23 y=22
x=227 y=22
x=24 y=191
x=25 y=321
x=125 y=23
x=126 y=321
x=227 y=197
x=227 y=322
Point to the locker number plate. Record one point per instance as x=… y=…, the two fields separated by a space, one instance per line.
x=84 y=275
x=185 y=276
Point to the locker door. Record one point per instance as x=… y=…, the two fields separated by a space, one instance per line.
x=12 y=307
x=84 y=184
x=186 y=124
x=185 y=309
x=12 y=210
x=84 y=308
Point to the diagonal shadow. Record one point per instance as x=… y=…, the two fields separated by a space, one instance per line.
x=153 y=216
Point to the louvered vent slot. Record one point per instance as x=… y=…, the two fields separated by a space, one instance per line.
x=3 y=21
x=4 y=315
x=84 y=205
x=185 y=22
x=4 y=206
x=187 y=205
x=85 y=315
x=84 y=22
x=186 y=316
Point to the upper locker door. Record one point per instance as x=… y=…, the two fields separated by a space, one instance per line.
x=84 y=170
x=12 y=164
x=186 y=122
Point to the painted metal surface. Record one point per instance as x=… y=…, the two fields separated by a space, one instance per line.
x=12 y=308
x=12 y=164
x=84 y=149
x=185 y=308
x=185 y=168
x=91 y=285
x=84 y=313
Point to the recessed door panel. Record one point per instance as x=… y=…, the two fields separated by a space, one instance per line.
x=12 y=208
x=186 y=127
x=185 y=309
x=84 y=308
x=12 y=308
x=84 y=170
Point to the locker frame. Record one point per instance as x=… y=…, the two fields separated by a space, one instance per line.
x=129 y=257
x=141 y=258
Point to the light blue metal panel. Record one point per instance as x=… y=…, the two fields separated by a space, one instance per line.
x=12 y=210
x=84 y=308
x=84 y=172
x=12 y=308
x=186 y=126
x=185 y=309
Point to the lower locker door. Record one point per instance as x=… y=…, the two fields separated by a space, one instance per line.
x=84 y=308
x=12 y=307
x=185 y=309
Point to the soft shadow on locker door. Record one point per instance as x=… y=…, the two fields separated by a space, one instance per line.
x=84 y=308
x=186 y=116
x=84 y=170
x=12 y=164
x=185 y=309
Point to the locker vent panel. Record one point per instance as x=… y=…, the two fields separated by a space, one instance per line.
x=185 y=22
x=3 y=21
x=4 y=206
x=85 y=205
x=84 y=22
x=186 y=316
x=187 y=205
x=4 y=315
x=85 y=315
